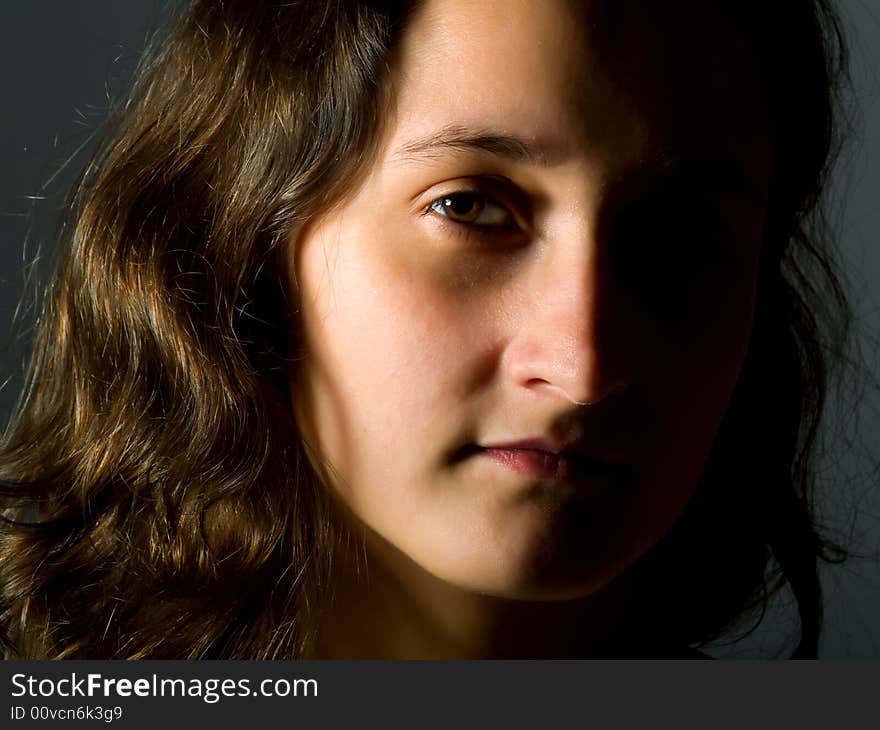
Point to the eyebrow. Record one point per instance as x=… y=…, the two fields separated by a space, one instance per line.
x=457 y=138
x=719 y=174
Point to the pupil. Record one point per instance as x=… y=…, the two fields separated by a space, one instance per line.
x=462 y=205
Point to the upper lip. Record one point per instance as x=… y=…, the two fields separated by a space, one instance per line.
x=575 y=448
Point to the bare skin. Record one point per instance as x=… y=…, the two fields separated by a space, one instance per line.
x=558 y=240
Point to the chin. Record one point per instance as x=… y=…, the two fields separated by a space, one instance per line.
x=540 y=593
x=533 y=583
x=551 y=565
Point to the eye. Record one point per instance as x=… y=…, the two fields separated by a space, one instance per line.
x=472 y=209
x=676 y=258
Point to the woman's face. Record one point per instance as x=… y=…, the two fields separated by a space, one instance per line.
x=523 y=328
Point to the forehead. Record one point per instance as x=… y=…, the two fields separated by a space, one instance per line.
x=620 y=80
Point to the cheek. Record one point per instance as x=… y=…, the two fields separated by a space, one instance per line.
x=386 y=345
x=691 y=388
x=406 y=328
x=685 y=398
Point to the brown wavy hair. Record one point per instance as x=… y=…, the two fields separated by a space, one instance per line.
x=157 y=498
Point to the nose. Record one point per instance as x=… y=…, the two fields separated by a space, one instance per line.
x=571 y=335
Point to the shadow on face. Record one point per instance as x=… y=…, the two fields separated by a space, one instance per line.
x=524 y=327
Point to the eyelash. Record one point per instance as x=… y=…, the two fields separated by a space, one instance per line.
x=465 y=228
x=715 y=240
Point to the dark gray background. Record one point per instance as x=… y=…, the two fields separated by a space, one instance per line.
x=60 y=62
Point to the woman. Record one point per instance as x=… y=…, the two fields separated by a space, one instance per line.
x=435 y=330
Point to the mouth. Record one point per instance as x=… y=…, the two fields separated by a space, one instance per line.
x=572 y=468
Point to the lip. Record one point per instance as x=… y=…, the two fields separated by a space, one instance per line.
x=539 y=459
x=535 y=444
x=533 y=462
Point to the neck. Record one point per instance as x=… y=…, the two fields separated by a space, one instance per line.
x=384 y=606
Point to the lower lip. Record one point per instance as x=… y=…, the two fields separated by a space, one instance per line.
x=531 y=462
x=544 y=465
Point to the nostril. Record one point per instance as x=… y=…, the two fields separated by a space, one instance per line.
x=540 y=384
x=579 y=399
